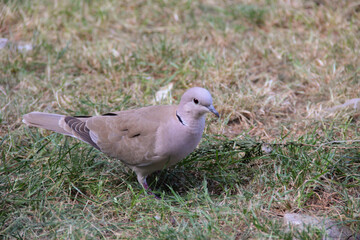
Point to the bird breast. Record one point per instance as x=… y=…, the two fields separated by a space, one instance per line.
x=177 y=142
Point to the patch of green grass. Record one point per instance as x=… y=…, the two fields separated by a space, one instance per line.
x=273 y=69
x=225 y=188
x=254 y=14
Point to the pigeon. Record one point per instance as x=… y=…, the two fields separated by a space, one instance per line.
x=146 y=139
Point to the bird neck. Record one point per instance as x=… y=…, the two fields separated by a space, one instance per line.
x=194 y=124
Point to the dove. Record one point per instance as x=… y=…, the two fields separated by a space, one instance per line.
x=146 y=139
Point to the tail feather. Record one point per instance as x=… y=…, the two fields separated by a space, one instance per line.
x=48 y=121
x=71 y=126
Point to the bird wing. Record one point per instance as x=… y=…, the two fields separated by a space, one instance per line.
x=130 y=135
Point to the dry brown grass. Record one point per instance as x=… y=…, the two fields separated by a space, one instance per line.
x=303 y=58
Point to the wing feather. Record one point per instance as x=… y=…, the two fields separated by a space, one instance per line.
x=80 y=130
x=130 y=135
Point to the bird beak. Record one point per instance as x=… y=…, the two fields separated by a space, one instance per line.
x=212 y=109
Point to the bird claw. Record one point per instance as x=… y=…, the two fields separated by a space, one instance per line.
x=148 y=190
x=153 y=194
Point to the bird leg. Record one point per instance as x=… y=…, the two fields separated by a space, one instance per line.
x=148 y=190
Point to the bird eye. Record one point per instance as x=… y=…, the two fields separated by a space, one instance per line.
x=196 y=101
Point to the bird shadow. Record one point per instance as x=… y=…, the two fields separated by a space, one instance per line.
x=224 y=165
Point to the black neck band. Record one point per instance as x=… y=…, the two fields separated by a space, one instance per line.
x=179 y=118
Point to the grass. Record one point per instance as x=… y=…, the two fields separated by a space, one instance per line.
x=273 y=68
